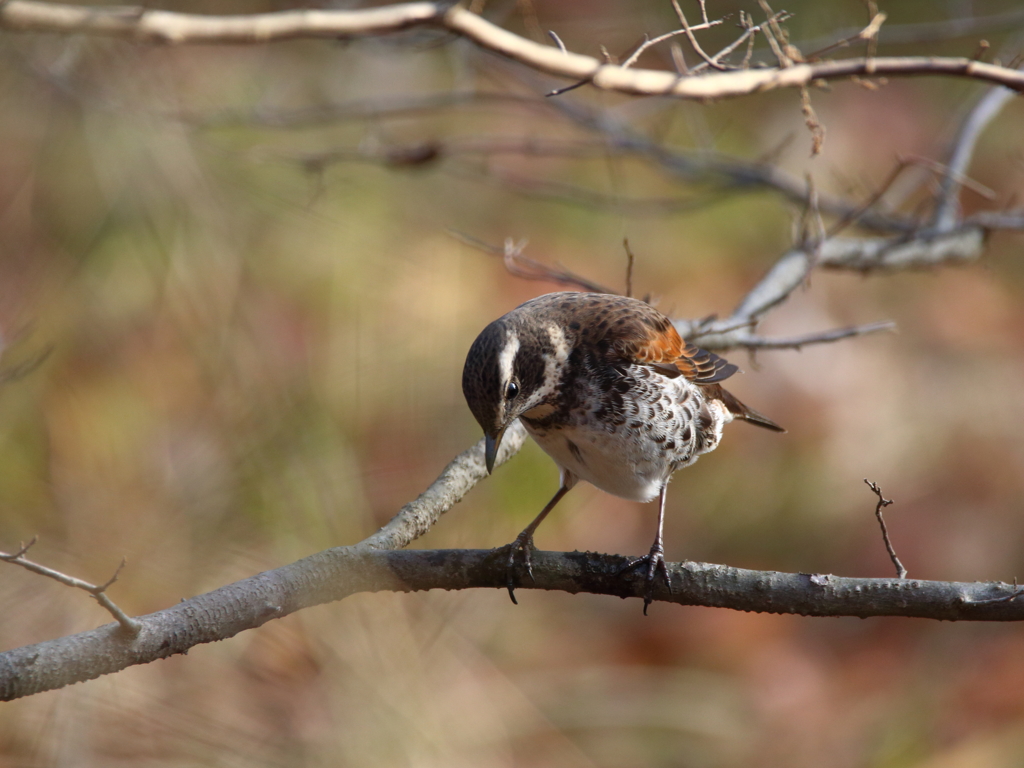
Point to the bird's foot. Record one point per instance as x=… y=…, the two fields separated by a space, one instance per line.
x=524 y=544
x=655 y=561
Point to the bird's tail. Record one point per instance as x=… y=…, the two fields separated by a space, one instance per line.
x=739 y=410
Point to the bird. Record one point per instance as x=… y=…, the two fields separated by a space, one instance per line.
x=608 y=388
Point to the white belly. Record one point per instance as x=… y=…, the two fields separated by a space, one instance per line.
x=620 y=464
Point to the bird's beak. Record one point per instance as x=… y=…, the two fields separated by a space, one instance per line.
x=491 y=444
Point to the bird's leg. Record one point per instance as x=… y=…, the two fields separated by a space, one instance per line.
x=524 y=542
x=655 y=559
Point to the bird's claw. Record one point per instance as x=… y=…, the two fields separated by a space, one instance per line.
x=522 y=544
x=655 y=560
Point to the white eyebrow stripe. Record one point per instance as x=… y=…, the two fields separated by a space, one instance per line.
x=507 y=358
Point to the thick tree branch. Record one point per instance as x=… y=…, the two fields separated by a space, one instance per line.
x=337 y=573
x=144 y=25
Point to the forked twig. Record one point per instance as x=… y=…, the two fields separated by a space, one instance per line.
x=529 y=269
x=688 y=30
x=98 y=591
x=649 y=43
x=901 y=572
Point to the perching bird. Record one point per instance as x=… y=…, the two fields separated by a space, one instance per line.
x=609 y=390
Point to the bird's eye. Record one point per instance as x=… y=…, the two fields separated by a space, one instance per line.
x=512 y=391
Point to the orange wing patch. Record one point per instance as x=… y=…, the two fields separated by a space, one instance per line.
x=666 y=351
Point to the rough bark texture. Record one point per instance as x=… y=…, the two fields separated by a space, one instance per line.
x=337 y=573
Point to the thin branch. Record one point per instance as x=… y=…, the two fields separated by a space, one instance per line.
x=688 y=30
x=558 y=41
x=529 y=269
x=871 y=202
x=749 y=31
x=774 y=35
x=571 y=194
x=930 y=31
x=985 y=111
x=98 y=591
x=811 y=121
x=870 y=32
x=144 y=25
x=883 y=502
x=630 y=259
x=634 y=57
x=717 y=342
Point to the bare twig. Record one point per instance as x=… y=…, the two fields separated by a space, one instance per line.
x=629 y=266
x=717 y=341
x=984 y=112
x=567 y=88
x=811 y=121
x=635 y=56
x=98 y=591
x=142 y=24
x=750 y=46
x=811 y=235
x=966 y=26
x=529 y=269
x=872 y=200
x=558 y=41
x=775 y=36
x=883 y=502
x=749 y=31
x=678 y=59
x=688 y=30
x=870 y=32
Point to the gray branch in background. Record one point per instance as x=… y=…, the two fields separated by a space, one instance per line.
x=923 y=251
x=947 y=210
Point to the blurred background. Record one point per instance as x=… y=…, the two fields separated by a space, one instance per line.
x=242 y=261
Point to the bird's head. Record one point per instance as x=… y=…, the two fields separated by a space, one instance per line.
x=512 y=368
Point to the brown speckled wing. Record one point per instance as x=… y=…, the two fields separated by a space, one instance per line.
x=632 y=330
x=653 y=340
